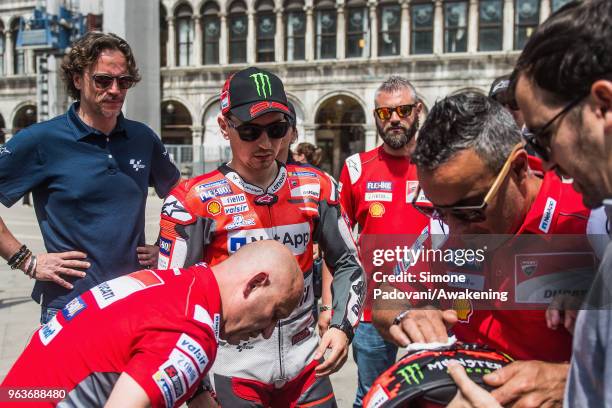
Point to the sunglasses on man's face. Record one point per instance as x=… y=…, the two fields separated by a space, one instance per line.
x=250 y=132
x=539 y=139
x=403 y=111
x=467 y=213
x=105 y=81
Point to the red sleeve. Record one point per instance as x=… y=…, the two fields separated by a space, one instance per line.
x=169 y=366
x=346 y=195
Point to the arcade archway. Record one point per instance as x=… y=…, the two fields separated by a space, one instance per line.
x=340 y=131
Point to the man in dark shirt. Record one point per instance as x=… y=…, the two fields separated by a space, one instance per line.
x=89 y=170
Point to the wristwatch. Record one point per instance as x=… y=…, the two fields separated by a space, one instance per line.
x=346 y=328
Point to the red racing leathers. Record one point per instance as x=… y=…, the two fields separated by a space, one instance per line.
x=209 y=217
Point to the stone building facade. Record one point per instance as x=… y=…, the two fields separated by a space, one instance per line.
x=331 y=54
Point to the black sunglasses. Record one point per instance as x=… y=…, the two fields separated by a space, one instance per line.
x=105 y=81
x=539 y=139
x=251 y=132
x=403 y=111
x=467 y=213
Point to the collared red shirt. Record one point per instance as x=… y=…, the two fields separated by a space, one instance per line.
x=90 y=191
x=377 y=190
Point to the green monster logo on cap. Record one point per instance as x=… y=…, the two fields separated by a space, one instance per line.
x=261 y=80
x=412 y=374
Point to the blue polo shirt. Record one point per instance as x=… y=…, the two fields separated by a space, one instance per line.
x=89 y=191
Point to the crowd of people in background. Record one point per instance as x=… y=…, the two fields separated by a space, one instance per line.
x=530 y=159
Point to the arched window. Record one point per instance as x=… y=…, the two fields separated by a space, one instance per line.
x=389 y=28
x=211 y=28
x=238 y=30
x=557 y=4
x=184 y=35
x=490 y=25
x=340 y=131
x=526 y=20
x=455 y=26
x=422 y=28
x=176 y=123
x=24 y=117
x=295 y=30
x=266 y=29
x=357 y=29
x=325 y=29
x=163 y=36
x=18 y=55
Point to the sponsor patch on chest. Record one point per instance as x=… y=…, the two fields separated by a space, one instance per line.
x=295 y=236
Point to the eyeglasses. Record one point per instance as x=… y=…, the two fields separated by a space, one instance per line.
x=105 y=81
x=539 y=139
x=251 y=132
x=403 y=111
x=467 y=213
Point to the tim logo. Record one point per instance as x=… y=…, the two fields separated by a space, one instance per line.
x=262 y=82
x=136 y=164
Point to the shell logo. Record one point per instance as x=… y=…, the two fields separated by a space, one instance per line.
x=464 y=309
x=214 y=208
x=377 y=209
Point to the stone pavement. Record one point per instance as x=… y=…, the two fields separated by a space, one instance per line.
x=19 y=314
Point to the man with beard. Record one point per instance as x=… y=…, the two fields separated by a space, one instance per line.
x=89 y=170
x=376 y=193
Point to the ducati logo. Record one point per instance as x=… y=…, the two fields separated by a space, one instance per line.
x=266 y=199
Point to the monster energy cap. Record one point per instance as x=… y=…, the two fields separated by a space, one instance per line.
x=252 y=92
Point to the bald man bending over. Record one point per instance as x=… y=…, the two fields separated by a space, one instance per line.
x=148 y=338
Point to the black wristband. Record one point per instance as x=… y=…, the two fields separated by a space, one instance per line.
x=13 y=259
x=346 y=328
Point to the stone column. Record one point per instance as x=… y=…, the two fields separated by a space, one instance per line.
x=438 y=28
x=544 y=10
x=171 y=45
x=508 y=19
x=223 y=54
x=373 y=30
x=370 y=138
x=309 y=133
x=197 y=41
x=197 y=138
x=279 y=37
x=29 y=62
x=309 y=42
x=251 y=37
x=8 y=54
x=473 y=27
x=405 y=29
x=340 y=32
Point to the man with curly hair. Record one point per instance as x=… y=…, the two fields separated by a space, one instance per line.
x=89 y=170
